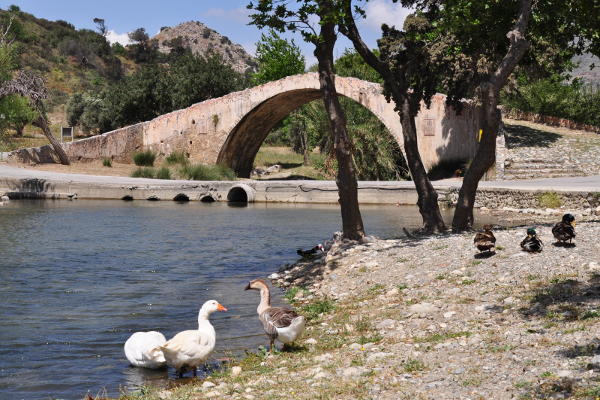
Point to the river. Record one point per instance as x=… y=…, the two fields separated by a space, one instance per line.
x=77 y=278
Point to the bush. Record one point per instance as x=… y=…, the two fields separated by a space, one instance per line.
x=144 y=158
x=549 y=200
x=107 y=162
x=201 y=172
x=177 y=157
x=163 y=173
x=143 y=173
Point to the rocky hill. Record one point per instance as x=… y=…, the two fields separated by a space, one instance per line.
x=201 y=40
x=584 y=71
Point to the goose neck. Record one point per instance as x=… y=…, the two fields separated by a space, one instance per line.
x=265 y=300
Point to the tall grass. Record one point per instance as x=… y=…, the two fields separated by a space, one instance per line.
x=146 y=172
x=144 y=158
x=107 y=162
x=549 y=200
x=163 y=173
x=199 y=172
x=176 y=157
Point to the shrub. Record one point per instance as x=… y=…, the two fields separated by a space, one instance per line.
x=177 y=157
x=107 y=162
x=549 y=200
x=163 y=173
x=144 y=158
x=199 y=172
x=143 y=173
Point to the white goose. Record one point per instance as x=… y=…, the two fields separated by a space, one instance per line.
x=281 y=323
x=189 y=349
x=142 y=349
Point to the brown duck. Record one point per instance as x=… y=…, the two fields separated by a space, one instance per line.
x=485 y=240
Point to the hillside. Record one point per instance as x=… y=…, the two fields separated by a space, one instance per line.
x=200 y=39
x=583 y=71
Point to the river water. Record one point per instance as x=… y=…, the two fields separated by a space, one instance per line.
x=77 y=278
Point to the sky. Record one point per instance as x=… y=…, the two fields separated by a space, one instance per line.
x=228 y=17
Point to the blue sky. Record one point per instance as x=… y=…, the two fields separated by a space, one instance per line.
x=228 y=17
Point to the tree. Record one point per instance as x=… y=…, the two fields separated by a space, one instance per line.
x=277 y=58
x=296 y=16
x=17 y=113
x=483 y=43
x=395 y=66
x=101 y=26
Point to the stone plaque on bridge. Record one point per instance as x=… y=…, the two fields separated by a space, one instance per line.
x=66 y=132
x=429 y=127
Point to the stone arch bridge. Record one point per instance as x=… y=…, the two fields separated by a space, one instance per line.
x=231 y=129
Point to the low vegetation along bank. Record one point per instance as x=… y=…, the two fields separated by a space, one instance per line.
x=427 y=319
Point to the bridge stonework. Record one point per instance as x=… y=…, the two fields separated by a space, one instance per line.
x=231 y=129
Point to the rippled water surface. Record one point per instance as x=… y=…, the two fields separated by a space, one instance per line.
x=77 y=278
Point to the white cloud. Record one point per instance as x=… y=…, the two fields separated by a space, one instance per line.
x=239 y=14
x=385 y=12
x=114 y=37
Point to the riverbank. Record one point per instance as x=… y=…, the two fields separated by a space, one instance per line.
x=426 y=319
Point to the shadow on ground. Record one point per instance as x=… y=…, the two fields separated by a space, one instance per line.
x=523 y=136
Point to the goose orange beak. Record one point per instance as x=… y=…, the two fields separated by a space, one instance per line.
x=221 y=308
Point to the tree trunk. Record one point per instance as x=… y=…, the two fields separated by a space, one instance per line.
x=305 y=145
x=346 y=178
x=490 y=121
x=43 y=123
x=483 y=161
x=19 y=130
x=427 y=201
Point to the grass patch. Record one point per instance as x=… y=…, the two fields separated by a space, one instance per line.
x=376 y=289
x=144 y=158
x=107 y=162
x=314 y=310
x=199 y=172
x=402 y=286
x=549 y=200
x=369 y=339
x=177 y=157
x=591 y=314
x=145 y=172
x=163 y=173
x=468 y=281
x=412 y=365
x=441 y=337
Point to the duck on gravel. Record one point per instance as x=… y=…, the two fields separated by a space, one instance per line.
x=532 y=243
x=190 y=349
x=565 y=230
x=311 y=252
x=142 y=349
x=281 y=323
x=485 y=241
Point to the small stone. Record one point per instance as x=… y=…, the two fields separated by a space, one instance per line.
x=353 y=371
x=564 y=374
x=377 y=356
x=274 y=276
x=355 y=346
x=458 y=371
x=321 y=375
x=208 y=384
x=422 y=308
x=214 y=393
x=5 y=198
x=392 y=293
x=385 y=324
x=311 y=341
x=235 y=371
x=449 y=314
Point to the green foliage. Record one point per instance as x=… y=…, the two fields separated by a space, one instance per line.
x=277 y=58
x=549 y=200
x=163 y=173
x=17 y=113
x=107 y=162
x=313 y=310
x=412 y=365
x=352 y=64
x=176 y=157
x=200 y=172
x=145 y=172
x=144 y=158
x=554 y=97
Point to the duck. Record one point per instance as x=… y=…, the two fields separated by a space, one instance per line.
x=189 y=349
x=142 y=349
x=565 y=230
x=485 y=240
x=311 y=252
x=532 y=243
x=281 y=323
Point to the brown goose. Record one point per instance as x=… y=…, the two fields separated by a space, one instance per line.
x=281 y=323
x=485 y=241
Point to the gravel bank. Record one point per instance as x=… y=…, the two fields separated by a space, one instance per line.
x=430 y=319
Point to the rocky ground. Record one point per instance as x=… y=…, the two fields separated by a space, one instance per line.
x=537 y=151
x=428 y=318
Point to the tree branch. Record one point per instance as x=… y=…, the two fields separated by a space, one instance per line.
x=518 y=46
